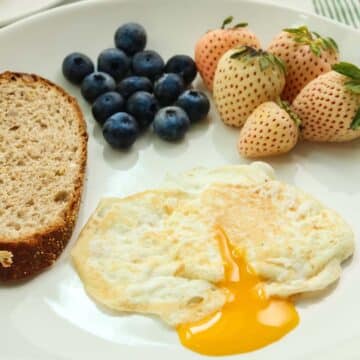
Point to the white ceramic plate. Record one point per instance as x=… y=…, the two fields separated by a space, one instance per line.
x=51 y=317
x=11 y=10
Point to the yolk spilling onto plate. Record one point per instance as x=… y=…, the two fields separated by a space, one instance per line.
x=248 y=321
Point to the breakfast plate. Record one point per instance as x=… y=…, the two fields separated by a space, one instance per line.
x=51 y=316
x=11 y=10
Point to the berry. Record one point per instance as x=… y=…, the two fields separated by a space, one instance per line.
x=271 y=129
x=244 y=79
x=76 y=67
x=171 y=123
x=96 y=84
x=143 y=106
x=120 y=130
x=132 y=84
x=106 y=105
x=182 y=65
x=148 y=63
x=329 y=106
x=114 y=62
x=131 y=38
x=167 y=88
x=213 y=44
x=306 y=55
x=195 y=103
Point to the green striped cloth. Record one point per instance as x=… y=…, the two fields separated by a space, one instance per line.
x=345 y=11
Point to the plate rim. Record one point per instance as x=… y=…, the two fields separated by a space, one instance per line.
x=49 y=10
x=63 y=10
x=16 y=18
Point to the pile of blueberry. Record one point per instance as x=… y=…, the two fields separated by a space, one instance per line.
x=133 y=88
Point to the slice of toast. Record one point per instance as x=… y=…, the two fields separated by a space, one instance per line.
x=43 y=151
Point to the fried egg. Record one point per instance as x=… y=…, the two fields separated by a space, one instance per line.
x=215 y=253
x=197 y=179
x=136 y=254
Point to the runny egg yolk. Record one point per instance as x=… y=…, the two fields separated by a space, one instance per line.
x=249 y=320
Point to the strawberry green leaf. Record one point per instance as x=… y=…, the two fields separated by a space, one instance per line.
x=356 y=121
x=291 y=31
x=239 y=52
x=281 y=64
x=240 y=25
x=248 y=57
x=302 y=30
x=277 y=62
x=315 y=49
x=264 y=63
x=326 y=44
x=227 y=21
x=316 y=43
x=265 y=59
x=347 y=69
x=287 y=107
x=353 y=86
x=333 y=42
x=301 y=40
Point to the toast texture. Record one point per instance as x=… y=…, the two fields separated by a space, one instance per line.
x=43 y=153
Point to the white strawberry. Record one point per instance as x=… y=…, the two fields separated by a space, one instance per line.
x=272 y=129
x=306 y=55
x=244 y=79
x=212 y=45
x=329 y=106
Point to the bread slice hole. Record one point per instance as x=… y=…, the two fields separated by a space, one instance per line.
x=43 y=125
x=30 y=202
x=61 y=196
x=20 y=214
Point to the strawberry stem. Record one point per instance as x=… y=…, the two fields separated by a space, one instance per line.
x=314 y=40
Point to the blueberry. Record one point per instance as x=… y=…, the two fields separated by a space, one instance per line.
x=131 y=38
x=182 y=65
x=120 y=130
x=96 y=84
x=148 y=63
x=168 y=88
x=76 y=66
x=106 y=105
x=114 y=62
x=171 y=123
x=195 y=103
x=132 y=84
x=143 y=106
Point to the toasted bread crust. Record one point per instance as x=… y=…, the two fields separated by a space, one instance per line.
x=32 y=254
